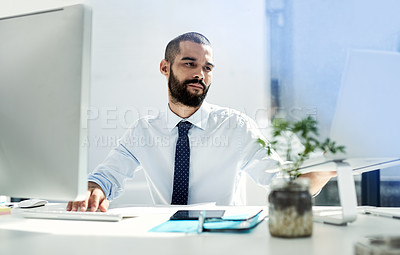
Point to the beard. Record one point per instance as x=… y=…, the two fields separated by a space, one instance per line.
x=180 y=94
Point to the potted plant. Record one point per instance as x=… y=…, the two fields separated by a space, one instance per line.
x=290 y=202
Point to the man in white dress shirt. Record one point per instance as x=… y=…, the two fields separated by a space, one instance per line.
x=223 y=142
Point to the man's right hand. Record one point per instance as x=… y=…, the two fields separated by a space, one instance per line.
x=95 y=199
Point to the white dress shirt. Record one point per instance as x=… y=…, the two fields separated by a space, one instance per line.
x=223 y=145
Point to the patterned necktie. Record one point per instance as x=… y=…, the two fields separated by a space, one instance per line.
x=182 y=158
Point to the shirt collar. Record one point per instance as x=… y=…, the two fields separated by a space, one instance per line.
x=198 y=119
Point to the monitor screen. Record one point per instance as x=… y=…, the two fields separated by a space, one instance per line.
x=366 y=120
x=44 y=91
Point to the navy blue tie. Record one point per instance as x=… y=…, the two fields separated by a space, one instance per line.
x=182 y=159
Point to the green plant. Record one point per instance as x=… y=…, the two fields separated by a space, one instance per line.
x=307 y=131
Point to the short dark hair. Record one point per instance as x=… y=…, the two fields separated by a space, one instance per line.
x=173 y=49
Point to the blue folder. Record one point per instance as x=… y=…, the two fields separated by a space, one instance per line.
x=232 y=223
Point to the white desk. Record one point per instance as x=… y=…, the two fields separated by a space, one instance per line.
x=130 y=236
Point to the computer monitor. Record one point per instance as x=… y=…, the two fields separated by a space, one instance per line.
x=366 y=119
x=44 y=92
x=366 y=122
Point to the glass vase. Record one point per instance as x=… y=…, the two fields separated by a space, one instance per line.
x=290 y=208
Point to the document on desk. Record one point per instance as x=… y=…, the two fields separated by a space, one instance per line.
x=391 y=212
x=139 y=210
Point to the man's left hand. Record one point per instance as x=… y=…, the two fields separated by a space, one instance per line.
x=318 y=180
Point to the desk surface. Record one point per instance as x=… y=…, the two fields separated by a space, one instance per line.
x=31 y=236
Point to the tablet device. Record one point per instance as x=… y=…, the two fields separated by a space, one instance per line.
x=194 y=214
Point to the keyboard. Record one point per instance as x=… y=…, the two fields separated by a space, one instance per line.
x=69 y=215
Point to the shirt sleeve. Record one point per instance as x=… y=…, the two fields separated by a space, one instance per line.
x=112 y=173
x=255 y=160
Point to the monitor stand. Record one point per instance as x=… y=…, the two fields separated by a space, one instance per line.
x=347 y=197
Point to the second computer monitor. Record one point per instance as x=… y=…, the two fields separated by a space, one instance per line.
x=44 y=91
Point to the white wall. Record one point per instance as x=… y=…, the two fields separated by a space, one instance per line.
x=129 y=38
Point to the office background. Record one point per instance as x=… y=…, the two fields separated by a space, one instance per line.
x=294 y=49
